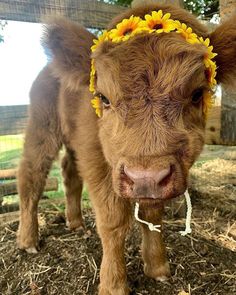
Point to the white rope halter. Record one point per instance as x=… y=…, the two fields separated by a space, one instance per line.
x=153 y=227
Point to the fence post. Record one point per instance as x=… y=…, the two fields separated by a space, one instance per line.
x=228 y=116
x=228 y=103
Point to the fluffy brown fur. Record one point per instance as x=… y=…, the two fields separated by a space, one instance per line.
x=142 y=147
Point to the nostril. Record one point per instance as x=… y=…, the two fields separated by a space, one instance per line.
x=162 y=175
x=167 y=177
x=157 y=175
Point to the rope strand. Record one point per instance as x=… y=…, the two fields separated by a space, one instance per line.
x=188 y=229
x=150 y=225
x=156 y=227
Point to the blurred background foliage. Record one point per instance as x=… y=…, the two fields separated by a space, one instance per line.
x=202 y=8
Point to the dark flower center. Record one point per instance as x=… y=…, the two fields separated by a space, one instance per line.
x=158 y=27
x=127 y=32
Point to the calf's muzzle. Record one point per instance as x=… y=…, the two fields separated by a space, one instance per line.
x=148 y=184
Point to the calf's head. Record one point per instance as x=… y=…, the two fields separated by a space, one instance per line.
x=154 y=92
x=151 y=93
x=152 y=124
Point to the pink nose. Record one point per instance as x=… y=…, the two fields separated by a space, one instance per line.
x=155 y=175
x=148 y=184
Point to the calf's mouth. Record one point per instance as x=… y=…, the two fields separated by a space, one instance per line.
x=152 y=187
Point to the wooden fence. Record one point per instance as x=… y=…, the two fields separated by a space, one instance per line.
x=90 y=13
x=13 y=119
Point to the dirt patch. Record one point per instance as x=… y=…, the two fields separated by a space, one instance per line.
x=68 y=263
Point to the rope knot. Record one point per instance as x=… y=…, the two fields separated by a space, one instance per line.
x=153 y=227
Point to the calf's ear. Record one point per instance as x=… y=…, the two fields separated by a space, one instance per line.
x=223 y=40
x=68 y=45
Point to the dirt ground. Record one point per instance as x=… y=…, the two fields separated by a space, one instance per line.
x=201 y=263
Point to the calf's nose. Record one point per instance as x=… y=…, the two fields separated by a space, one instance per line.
x=137 y=175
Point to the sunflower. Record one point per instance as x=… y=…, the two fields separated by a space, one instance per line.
x=186 y=32
x=158 y=22
x=126 y=29
x=209 y=55
x=210 y=72
x=207 y=102
x=96 y=104
x=101 y=38
x=92 y=77
x=209 y=63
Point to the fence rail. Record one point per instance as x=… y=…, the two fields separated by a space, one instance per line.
x=13 y=119
x=90 y=13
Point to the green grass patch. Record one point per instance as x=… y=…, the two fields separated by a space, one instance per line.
x=10 y=159
x=11 y=142
x=10 y=150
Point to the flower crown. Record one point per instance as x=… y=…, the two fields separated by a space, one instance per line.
x=156 y=23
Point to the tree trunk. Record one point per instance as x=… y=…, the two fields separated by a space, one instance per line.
x=228 y=103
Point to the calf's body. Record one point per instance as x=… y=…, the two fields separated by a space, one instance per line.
x=141 y=149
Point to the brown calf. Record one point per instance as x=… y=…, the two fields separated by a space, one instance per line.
x=151 y=131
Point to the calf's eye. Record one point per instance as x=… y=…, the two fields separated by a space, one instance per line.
x=105 y=101
x=197 y=96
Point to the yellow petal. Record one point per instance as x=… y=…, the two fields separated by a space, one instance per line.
x=184 y=26
x=155 y=15
x=207 y=42
x=189 y=30
x=207 y=102
x=201 y=40
x=178 y=24
x=98 y=112
x=95 y=102
x=136 y=20
x=160 y=13
x=166 y=16
x=168 y=26
x=148 y=17
x=143 y=24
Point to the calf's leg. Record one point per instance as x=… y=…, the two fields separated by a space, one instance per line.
x=113 y=220
x=153 y=249
x=40 y=150
x=42 y=144
x=73 y=186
